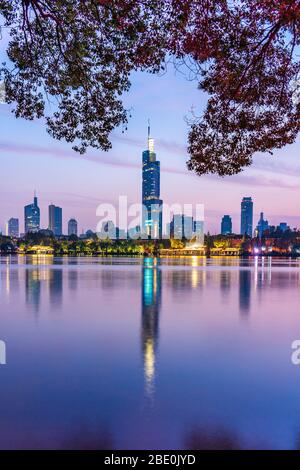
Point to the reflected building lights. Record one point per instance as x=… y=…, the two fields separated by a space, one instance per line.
x=270 y=270
x=7 y=283
x=39 y=278
x=151 y=300
x=255 y=272
x=244 y=291
x=33 y=289
x=195 y=272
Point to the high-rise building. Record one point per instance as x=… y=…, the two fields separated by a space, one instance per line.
x=247 y=216
x=262 y=226
x=182 y=226
x=152 y=204
x=12 y=228
x=199 y=231
x=226 y=225
x=109 y=230
x=283 y=227
x=72 y=227
x=134 y=232
x=32 y=216
x=55 y=219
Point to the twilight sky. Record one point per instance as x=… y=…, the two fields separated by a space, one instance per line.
x=31 y=159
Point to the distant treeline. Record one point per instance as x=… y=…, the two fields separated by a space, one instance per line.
x=286 y=243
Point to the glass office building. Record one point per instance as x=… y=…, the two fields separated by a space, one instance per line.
x=32 y=216
x=247 y=216
x=152 y=204
x=55 y=219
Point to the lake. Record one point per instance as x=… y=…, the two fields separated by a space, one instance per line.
x=132 y=353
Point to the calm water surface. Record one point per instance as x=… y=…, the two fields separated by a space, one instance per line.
x=129 y=353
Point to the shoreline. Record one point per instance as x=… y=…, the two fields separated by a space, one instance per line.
x=157 y=255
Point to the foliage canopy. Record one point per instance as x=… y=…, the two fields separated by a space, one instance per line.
x=79 y=54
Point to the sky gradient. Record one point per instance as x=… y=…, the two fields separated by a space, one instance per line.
x=31 y=159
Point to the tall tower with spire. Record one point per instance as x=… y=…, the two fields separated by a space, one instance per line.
x=32 y=216
x=152 y=204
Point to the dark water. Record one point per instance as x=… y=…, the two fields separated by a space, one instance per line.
x=131 y=353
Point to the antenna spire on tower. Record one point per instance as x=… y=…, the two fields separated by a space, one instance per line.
x=150 y=140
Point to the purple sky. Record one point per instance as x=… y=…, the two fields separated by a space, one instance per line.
x=31 y=159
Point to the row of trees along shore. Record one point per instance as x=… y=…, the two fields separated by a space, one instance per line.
x=34 y=243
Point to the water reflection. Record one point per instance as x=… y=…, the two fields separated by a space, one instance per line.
x=88 y=438
x=33 y=289
x=73 y=279
x=40 y=279
x=225 y=282
x=212 y=439
x=55 y=282
x=245 y=291
x=151 y=302
x=201 y=362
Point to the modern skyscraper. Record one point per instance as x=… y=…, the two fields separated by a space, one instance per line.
x=247 y=216
x=32 y=216
x=199 y=231
x=226 y=225
x=55 y=219
x=152 y=204
x=262 y=225
x=182 y=226
x=109 y=230
x=72 y=227
x=283 y=227
x=12 y=228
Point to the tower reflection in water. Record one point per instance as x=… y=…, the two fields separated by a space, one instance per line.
x=151 y=302
x=42 y=277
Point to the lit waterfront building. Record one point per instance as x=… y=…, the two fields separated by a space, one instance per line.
x=226 y=225
x=55 y=219
x=32 y=216
x=152 y=204
x=247 y=216
x=72 y=227
x=12 y=228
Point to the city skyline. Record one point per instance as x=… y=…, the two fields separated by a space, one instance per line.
x=152 y=222
x=79 y=183
x=188 y=224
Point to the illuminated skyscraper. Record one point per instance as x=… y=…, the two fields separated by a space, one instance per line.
x=13 y=227
x=32 y=216
x=152 y=213
x=182 y=226
x=262 y=226
x=226 y=225
x=247 y=216
x=55 y=219
x=72 y=227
